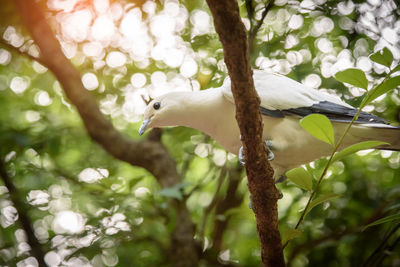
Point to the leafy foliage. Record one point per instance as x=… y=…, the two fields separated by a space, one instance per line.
x=386 y=219
x=89 y=208
x=354 y=77
x=320 y=127
x=321 y=199
x=383 y=57
x=301 y=178
x=357 y=147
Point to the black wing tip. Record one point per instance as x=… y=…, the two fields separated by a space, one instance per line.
x=272 y=113
x=335 y=112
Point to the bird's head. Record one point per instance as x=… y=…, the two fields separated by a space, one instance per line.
x=159 y=112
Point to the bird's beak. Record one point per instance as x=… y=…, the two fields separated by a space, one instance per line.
x=144 y=126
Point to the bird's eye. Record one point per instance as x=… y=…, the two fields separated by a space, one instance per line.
x=157 y=105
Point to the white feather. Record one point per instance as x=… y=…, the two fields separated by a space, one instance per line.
x=279 y=92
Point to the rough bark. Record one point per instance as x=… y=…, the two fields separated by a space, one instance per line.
x=149 y=154
x=232 y=34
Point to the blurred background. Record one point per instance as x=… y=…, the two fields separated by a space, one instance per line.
x=87 y=208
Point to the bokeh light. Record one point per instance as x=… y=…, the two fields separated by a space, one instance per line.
x=91 y=175
x=90 y=81
x=19 y=84
x=130 y=52
x=5 y=57
x=68 y=222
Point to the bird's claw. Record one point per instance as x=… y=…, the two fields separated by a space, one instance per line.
x=281 y=179
x=241 y=156
x=270 y=155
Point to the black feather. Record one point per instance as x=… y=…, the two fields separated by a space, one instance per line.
x=333 y=111
x=272 y=113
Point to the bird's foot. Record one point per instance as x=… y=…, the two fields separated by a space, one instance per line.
x=280 y=194
x=281 y=179
x=241 y=156
x=270 y=155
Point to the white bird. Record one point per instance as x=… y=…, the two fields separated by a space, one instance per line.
x=283 y=103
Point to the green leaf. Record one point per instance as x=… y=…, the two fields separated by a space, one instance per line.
x=354 y=77
x=174 y=191
x=320 y=200
x=300 y=177
x=320 y=127
x=383 y=57
x=384 y=220
x=381 y=89
x=290 y=234
x=357 y=147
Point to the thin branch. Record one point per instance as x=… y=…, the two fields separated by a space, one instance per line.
x=232 y=35
x=153 y=156
x=250 y=10
x=147 y=153
x=380 y=247
x=20 y=52
x=388 y=251
x=213 y=202
x=36 y=247
x=337 y=235
x=254 y=30
x=316 y=187
x=328 y=164
x=230 y=201
x=207 y=179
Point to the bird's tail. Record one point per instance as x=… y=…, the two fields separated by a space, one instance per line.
x=378 y=132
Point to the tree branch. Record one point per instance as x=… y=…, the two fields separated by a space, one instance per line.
x=233 y=37
x=149 y=154
x=388 y=251
x=213 y=202
x=153 y=156
x=380 y=247
x=19 y=51
x=36 y=247
x=231 y=200
x=336 y=235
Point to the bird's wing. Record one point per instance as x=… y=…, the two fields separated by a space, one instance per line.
x=281 y=96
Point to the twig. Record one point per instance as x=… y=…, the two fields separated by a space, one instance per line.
x=250 y=10
x=335 y=149
x=213 y=202
x=151 y=155
x=337 y=235
x=36 y=247
x=20 y=52
x=380 y=246
x=254 y=30
x=388 y=251
x=203 y=182
x=303 y=214
x=230 y=201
